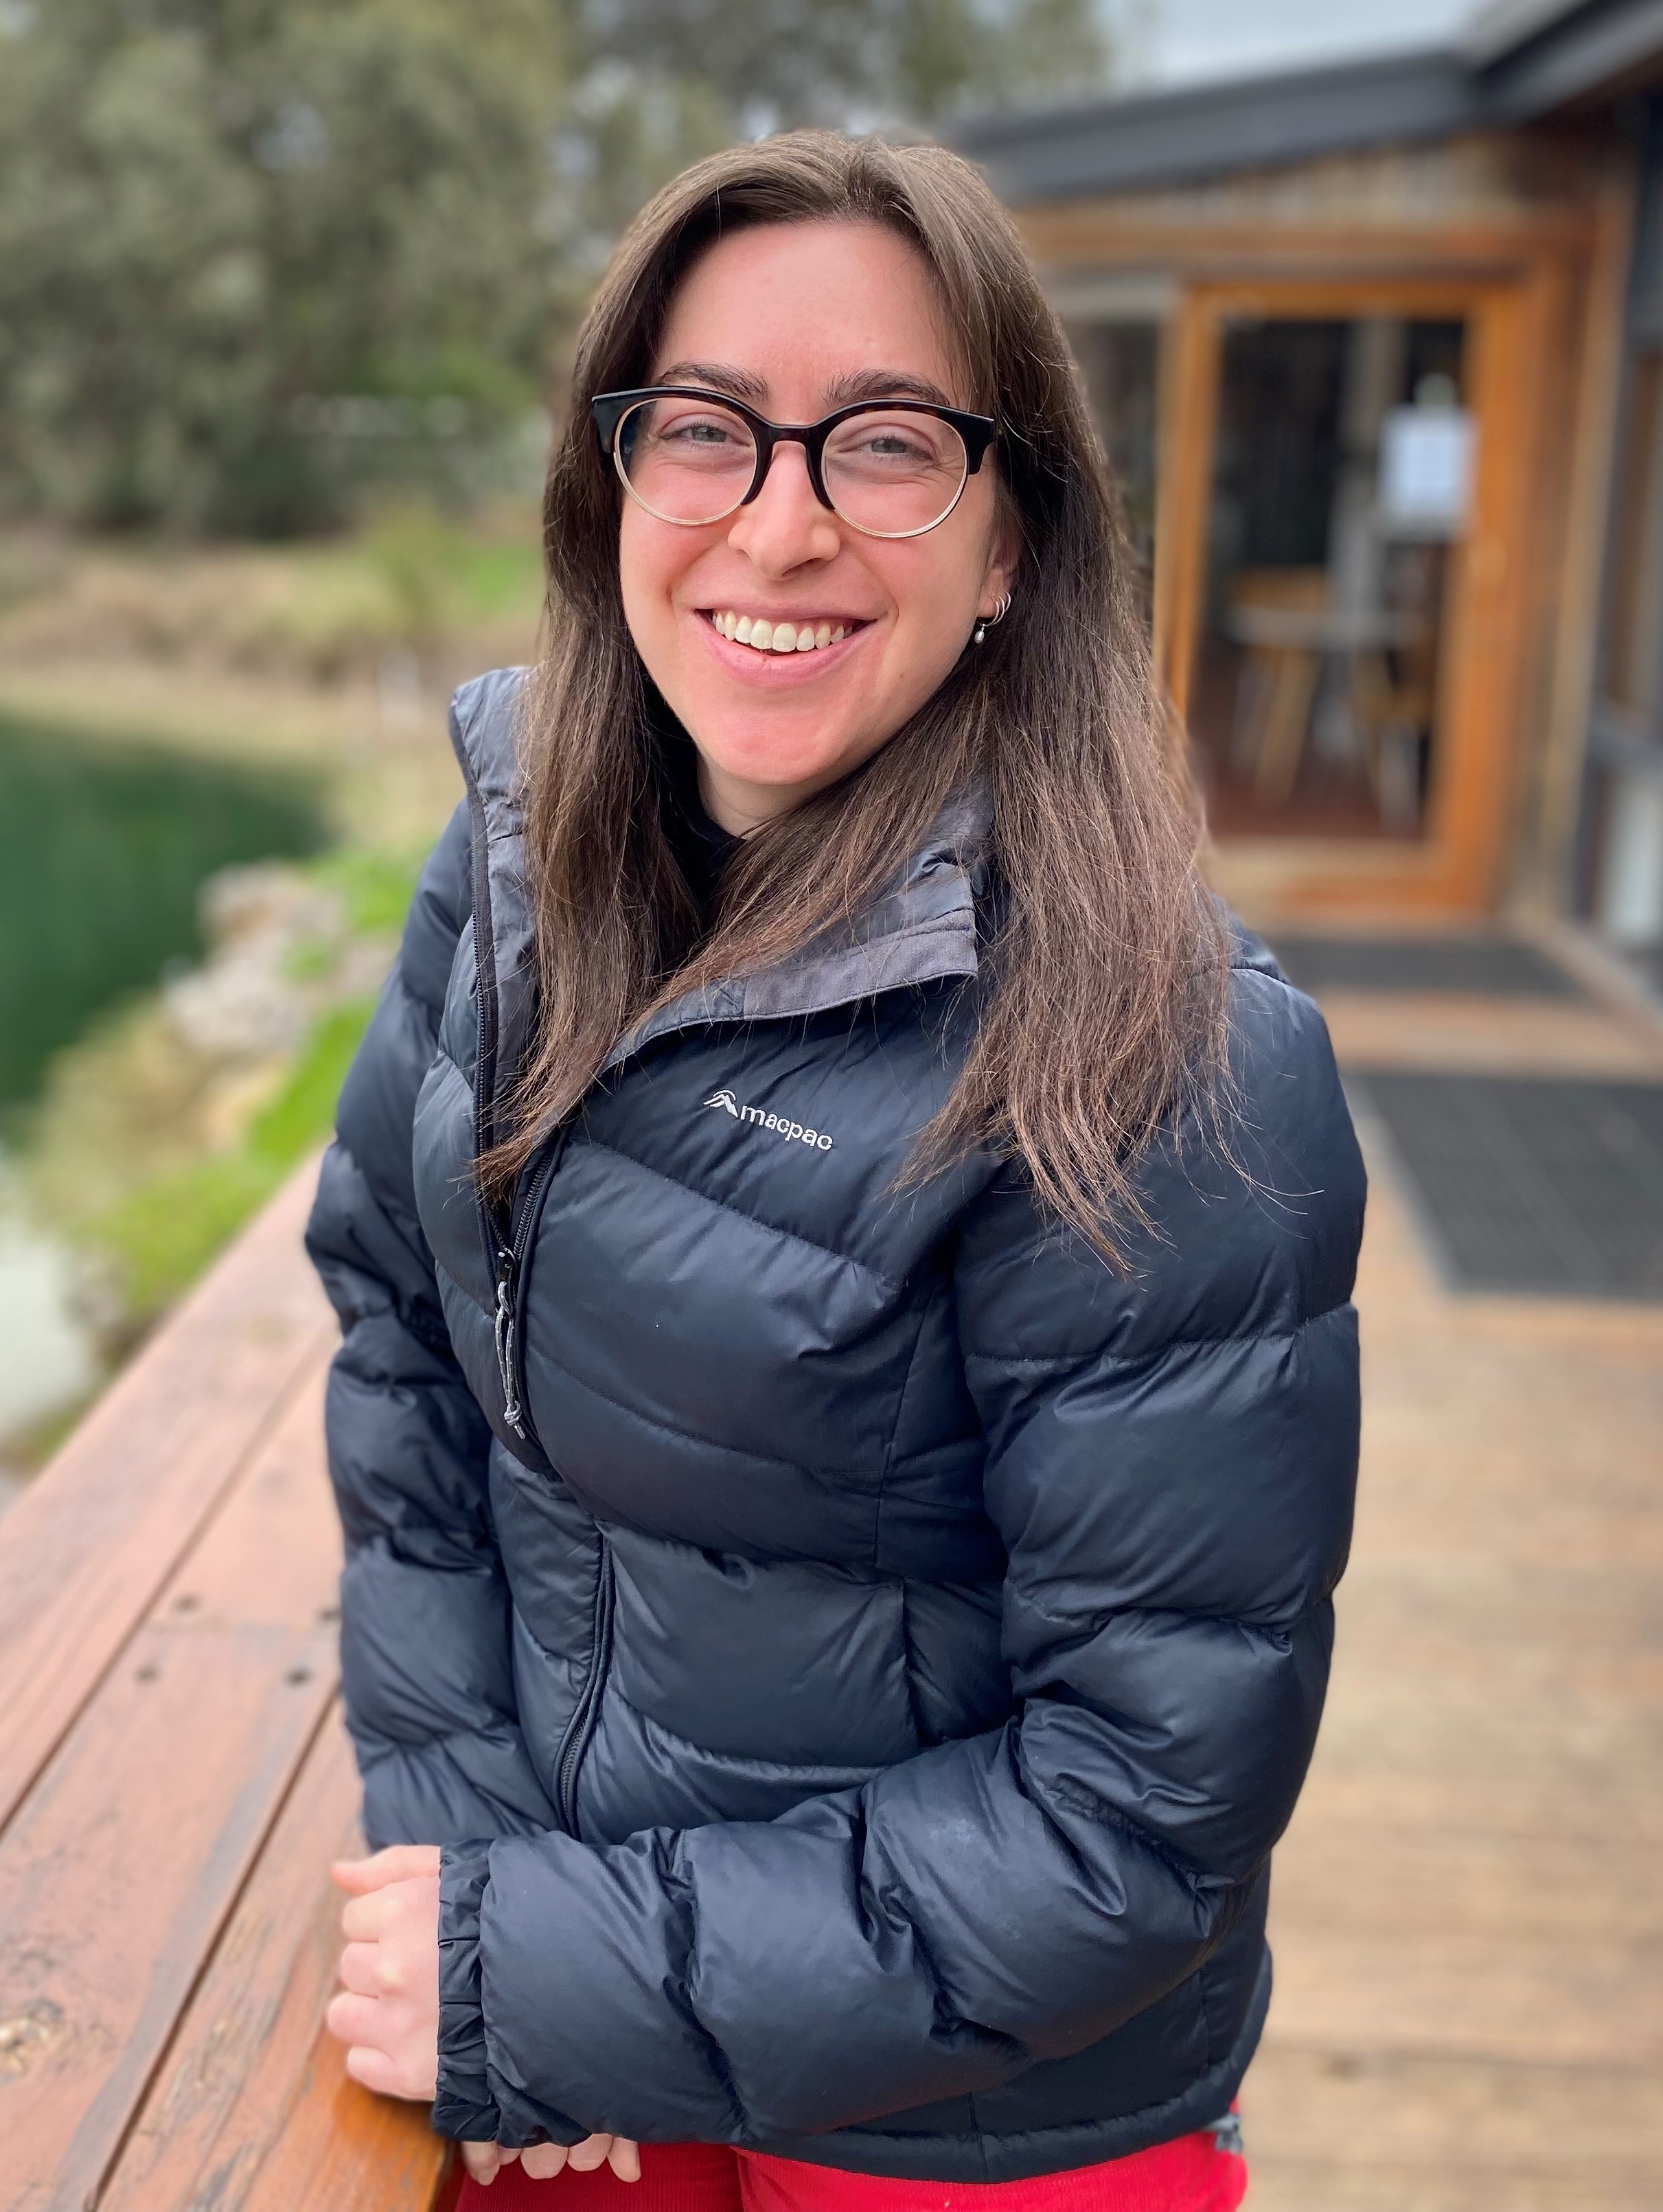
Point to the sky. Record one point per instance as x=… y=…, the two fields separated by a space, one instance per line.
x=1180 y=39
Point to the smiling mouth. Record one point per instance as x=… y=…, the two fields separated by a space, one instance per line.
x=763 y=636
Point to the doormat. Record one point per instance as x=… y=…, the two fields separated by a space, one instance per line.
x=1532 y=1184
x=1499 y=967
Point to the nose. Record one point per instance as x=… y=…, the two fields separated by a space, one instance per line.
x=785 y=525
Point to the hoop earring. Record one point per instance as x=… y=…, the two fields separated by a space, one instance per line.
x=978 y=635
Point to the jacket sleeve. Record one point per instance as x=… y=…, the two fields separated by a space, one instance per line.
x=425 y=1624
x=1171 y=1462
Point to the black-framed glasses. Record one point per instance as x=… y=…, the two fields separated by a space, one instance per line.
x=890 y=468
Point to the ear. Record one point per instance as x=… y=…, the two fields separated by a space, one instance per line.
x=1004 y=556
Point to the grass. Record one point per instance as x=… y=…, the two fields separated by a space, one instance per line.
x=166 y=1229
x=140 y=1154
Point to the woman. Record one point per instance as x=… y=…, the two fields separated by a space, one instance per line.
x=848 y=1415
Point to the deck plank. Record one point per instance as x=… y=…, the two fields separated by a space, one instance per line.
x=247 y=2088
x=339 y=2145
x=1467 y=1927
x=124 y=1860
x=86 y=1547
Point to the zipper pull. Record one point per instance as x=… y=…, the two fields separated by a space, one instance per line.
x=506 y=1362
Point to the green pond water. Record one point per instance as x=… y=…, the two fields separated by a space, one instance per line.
x=103 y=851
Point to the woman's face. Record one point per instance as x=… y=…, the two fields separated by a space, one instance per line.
x=797 y=319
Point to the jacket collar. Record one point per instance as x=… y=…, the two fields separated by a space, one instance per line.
x=921 y=930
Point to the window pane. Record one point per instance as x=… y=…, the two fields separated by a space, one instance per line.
x=1344 y=466
x=1634 y=635
x=1120 y=363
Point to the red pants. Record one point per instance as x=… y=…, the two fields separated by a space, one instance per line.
x=1190 y=2175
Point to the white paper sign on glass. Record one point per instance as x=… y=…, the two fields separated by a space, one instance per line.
x=1426 y=471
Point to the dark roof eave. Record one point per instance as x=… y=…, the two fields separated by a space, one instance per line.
x=1584 y=55
x=1201 y=131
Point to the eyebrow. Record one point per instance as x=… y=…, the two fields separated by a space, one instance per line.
x=711 y=373
x=884 y=384
x=842 y=391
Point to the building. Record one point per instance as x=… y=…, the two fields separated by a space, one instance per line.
x=1377 y=349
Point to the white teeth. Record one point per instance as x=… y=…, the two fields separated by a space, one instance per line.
x=777 y=637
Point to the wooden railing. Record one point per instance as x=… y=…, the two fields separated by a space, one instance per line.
x=175 y=1778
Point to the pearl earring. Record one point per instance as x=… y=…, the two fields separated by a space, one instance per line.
x=978 y=635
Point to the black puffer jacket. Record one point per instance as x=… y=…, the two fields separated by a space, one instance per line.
x=860 y=1694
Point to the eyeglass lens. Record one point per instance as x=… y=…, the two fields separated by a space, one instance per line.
x=889 y=475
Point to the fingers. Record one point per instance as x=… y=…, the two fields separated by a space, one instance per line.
x=366 y=1918
x=398 y=1863
x=406 y=1911
x=359 y=1970
x=353 y=2019
x=589 y=2154
x=480 y=2162
x=542 y=2161
x=484 y=2162
x=624 y=2159
x=374 y=2069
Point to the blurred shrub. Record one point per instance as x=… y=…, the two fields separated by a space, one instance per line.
x=158 y=1237
x=321 y=610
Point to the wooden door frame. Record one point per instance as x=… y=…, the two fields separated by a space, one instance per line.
x=1512 y=328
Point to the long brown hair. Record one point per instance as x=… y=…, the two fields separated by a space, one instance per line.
x=1102 y=1001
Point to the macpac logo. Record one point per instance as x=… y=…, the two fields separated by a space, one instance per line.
x=725 y=1103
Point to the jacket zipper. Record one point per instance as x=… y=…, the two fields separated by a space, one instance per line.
x=580 y=1730
x=508 y=1323
x=505 y=1247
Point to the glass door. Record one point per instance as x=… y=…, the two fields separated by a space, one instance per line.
x=1341 y=470
x=1342 y=480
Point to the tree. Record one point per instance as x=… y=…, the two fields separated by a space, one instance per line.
x=656 y=82
x=217 y=216
x=254 y=254
x=773 y=63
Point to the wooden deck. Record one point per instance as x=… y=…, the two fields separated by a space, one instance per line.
x=1468 y=1928
x=1467 y=1916
x=173 y=1778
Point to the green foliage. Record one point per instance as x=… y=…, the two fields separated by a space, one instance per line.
x=103 y=849
x=163 y=1231
x=256 y=255
x=867 y=61
x=218 y=217
x=377 y=885
x=302 y=1113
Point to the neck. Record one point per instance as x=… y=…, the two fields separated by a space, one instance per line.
x=740 y=808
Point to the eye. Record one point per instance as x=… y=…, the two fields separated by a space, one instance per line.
x=707 y=430
x=892 y=443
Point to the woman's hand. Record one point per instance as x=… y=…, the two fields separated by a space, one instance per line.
x=484 y=2161
x=388 y=2011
